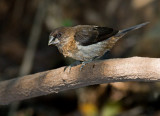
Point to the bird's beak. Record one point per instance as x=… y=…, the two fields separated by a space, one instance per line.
x=51 y=38
x=52 y=41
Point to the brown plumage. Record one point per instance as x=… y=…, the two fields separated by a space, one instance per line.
x=86 y=42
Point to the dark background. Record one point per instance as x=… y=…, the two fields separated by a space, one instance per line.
x=24 y=29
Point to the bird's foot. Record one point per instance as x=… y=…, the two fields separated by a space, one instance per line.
x=84 y=63
x=69 y=68
x=72 y=65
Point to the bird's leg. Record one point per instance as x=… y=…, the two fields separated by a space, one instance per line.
x=86 y=62
x=71 y=65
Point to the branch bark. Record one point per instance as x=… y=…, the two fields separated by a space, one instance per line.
x=98 y=72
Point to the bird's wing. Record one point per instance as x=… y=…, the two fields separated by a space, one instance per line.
x=87 y=35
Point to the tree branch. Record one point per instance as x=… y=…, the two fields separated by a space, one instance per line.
x=54 y=81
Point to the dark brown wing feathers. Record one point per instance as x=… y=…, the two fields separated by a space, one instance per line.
x=88 y=35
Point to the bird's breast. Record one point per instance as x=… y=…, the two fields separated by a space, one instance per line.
x=69 y=47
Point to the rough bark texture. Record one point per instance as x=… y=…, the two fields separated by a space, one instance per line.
x=56 y=80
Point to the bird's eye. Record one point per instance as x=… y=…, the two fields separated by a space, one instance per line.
x=58 y=35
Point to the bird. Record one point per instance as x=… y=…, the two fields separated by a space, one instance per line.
x=86 y=43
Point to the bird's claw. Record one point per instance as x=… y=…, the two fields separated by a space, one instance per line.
x=69 y=68
x=83 y=64
x=75 y=64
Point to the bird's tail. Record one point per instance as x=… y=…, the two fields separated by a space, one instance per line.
x=124 y=31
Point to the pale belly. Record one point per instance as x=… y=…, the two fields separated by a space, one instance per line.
x=86 y=53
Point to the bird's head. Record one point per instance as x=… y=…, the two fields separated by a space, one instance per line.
x=59 y=36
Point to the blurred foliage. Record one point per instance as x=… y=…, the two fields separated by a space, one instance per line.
x=111 y=109
x=67 y=22
x=121 y=99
